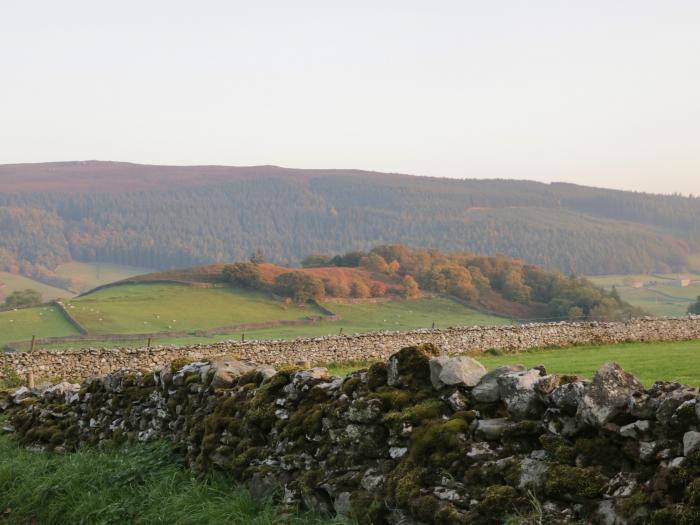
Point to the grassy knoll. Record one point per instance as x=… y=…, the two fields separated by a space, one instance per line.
x=650 y=362
x=91 y=275
x=15 y=282
x=391 y=315
x=42 y=321
x=144 y=484
x=140 y=308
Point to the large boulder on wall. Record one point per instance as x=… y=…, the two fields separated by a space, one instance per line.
x=460 y=370
x=488 y=390
x=410 y=366
x=607 y=397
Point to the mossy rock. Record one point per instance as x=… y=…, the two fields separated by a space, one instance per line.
x=577 y=482
x=676 y=515
x=351 y=384
x=500 y=500
x=600 y=451
x=376 y=376
x=440 y=442
x=409 y=367
x=561 y=450
x=367 y=508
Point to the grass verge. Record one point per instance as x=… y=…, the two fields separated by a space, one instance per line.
x=144 y=484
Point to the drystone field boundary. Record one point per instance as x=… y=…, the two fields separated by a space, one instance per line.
x=371 y=346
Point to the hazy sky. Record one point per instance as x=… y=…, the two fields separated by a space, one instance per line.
x=596 y=92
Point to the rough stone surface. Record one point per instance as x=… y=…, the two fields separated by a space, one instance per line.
x=460 y=370
x=691 y=441
x=608 y=394
x=80 y=363
x=402 y=452
x=488 y=389
x=517 y=391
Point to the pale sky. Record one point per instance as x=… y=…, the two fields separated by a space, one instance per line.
x=603 y=93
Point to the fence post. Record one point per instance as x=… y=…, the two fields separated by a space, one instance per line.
x=149 y=343
x=31 y=347
x=341 y=331
x=242 y=337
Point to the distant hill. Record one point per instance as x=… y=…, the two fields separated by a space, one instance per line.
x=167 y=216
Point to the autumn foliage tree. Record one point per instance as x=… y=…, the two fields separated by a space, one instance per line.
x=245 y=275
x=299 y=286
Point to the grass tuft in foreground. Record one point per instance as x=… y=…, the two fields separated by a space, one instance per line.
x=144 y=484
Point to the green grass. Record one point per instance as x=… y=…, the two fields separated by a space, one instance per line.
x=679 y=361
x=42 y=321
x=91 y=275
x=19 y=282
x=144 y=484
x=649 y=362
x=143 y=308
x=355 y=318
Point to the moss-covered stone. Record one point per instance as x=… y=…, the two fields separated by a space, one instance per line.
x=561 y=450
x=367 y=508
x=350 y=385
x=500 y=500
x=564 y=480
x=410 y=368
x=376 y=376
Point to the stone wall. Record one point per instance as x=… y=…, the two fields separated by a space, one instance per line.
x=371 y=346
x=420 y=439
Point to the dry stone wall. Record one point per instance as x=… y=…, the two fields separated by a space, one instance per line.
x=372 y=346
x=419 y=439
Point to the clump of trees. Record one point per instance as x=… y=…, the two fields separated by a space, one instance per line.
x=694 y=309
x=245 y=275
x=23 y=299
x=472 y=278
x=299 y=286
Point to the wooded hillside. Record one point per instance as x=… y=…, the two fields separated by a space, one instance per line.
x=165 y=217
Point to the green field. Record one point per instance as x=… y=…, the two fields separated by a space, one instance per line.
x=142 y=308
x=649 y=362
x=660 y=296
x=150 y=308
x=92 y=275
x=42 y=321
x=15 y=282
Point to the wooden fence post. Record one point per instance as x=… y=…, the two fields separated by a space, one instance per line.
x=31 y=347
x=242 y=337
x=149 y=343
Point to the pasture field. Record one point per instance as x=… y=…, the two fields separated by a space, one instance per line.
x=91 y=275
x=659 y=296
x=142 y=308
x=42 y=321
x=15 y=282
x=355 y=318
x=649 y=362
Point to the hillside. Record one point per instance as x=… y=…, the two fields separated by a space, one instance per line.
x=167 y=216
